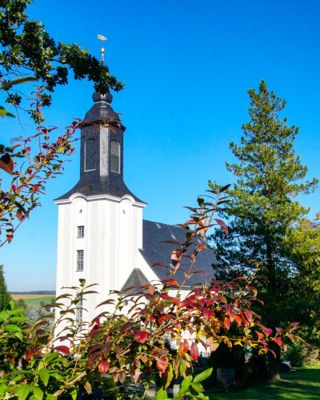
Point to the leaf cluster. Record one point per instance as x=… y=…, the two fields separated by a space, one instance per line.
x=27 y=50
x=139 y=340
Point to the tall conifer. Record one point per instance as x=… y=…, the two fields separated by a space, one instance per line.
x=269 y=177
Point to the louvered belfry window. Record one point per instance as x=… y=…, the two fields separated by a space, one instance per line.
x=115 y=157
x=89 y=155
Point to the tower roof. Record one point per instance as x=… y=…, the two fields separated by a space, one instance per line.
x=102 y=112
x=101 y=158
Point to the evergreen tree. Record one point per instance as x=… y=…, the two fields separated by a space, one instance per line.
x=263 y=207
x=4 y=294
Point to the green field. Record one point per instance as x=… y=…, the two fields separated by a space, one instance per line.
x=33 y=299
x=304 y=384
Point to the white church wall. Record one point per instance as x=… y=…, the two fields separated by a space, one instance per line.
x=111 y=242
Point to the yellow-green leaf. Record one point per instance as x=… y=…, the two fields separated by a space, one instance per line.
x=44 y=376
x=169 y=376
x=203 y=375
x=37 y=393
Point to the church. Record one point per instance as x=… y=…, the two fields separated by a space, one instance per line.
x=102 y=236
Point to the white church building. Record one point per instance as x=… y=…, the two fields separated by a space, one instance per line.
x=102 y=236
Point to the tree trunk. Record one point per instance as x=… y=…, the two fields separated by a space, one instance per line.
x=275 y=355
x=274 y=362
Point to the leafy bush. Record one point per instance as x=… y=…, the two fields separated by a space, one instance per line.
x=129 y=342
x=300 y=353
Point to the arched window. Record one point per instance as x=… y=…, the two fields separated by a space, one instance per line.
x=115 y=157
x=89 y=155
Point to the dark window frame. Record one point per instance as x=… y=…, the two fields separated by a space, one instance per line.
x=80 y=231
x=80 y=260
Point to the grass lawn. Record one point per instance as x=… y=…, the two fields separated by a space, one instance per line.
x=304 y=384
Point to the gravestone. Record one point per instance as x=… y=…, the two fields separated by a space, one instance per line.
x=226 y=377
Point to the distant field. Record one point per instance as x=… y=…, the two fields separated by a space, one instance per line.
x=33 y=299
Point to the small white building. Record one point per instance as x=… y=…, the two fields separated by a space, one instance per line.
x=102 y=236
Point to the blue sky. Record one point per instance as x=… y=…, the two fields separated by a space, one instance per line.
x=187 y=67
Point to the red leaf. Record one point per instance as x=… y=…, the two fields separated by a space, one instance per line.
x=9 y=235
x=173 y=300
x=194 y=352
x=141 y=336
x=201 y=246
x=170 y=282
x=96 y=321
x=267 y=331
x=30 y=353
x=157 y=264
x=20 y=215
x=165 y=317
x=207 y=312
x=162 y=365
x=260 y=335
x=7 y=164
x=103 y=366
x=226 y=323
x=152 y=318
x=229 y=308
x=248 y=315
x=185 y=345
x=223 y=225
x=278 y=340
x=63 y=349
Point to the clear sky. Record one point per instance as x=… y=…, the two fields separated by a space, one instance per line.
x=187 y=66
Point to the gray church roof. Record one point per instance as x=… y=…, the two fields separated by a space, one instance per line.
x=155 y=251
x=134 y=282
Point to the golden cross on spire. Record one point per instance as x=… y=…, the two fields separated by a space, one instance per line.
x=103 y=39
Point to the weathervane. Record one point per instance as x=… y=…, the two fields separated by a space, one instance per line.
x=103 y=39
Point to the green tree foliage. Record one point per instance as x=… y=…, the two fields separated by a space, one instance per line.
x=4 y=294
x=303 y=247
x=263 y=208
x=28 y=52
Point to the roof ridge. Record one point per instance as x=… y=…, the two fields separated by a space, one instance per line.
x=161 y=223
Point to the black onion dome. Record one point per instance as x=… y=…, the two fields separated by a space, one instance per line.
x=102 y=112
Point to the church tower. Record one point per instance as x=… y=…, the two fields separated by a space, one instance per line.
x=100 y=220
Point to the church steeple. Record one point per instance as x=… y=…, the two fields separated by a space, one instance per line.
x=101 y=158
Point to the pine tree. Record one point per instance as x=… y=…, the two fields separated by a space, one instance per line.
x=269 y=177
x=4 y=294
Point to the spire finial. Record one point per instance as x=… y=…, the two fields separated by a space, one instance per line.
x=103 y=39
